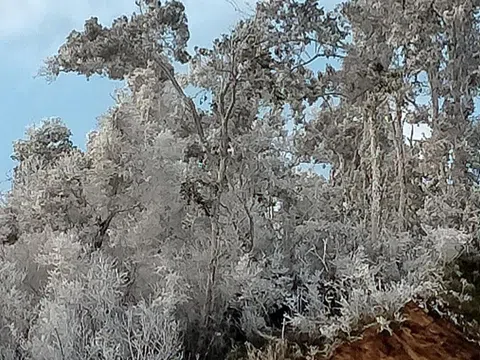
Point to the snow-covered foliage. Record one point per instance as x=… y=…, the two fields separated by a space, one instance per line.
x=185 y=229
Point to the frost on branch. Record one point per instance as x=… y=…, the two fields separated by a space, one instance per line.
x=128 y=44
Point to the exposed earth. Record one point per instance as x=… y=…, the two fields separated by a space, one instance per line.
x=420 y=337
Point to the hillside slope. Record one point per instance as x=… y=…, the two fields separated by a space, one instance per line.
x=420 y=337
x=423 y=335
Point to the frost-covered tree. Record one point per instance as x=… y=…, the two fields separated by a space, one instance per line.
x=187 y=226
x=400 y=69
x=47 y=182
x=47 y=142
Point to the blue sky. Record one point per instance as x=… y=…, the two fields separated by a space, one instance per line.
x=31 y=30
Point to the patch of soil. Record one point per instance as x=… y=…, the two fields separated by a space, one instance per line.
x=420 y=337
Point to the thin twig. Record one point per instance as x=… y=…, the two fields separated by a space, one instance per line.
x=60 y=343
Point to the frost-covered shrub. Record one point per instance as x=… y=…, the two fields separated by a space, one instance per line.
x=331 y=290
x=16 y=307
x=83 y=315
x=153 y=328
x=80 y=302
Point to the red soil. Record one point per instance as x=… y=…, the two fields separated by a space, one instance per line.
x=420 y=337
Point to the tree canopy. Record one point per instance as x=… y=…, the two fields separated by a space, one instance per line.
x=189 y=229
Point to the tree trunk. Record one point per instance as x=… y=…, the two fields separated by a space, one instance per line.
x=397 y=122
x=215 y=235
x=375 y=206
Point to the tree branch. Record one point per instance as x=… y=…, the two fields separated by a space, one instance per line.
x=188 y=101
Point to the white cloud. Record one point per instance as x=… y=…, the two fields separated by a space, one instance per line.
x=19 y=18
x=31 y=30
